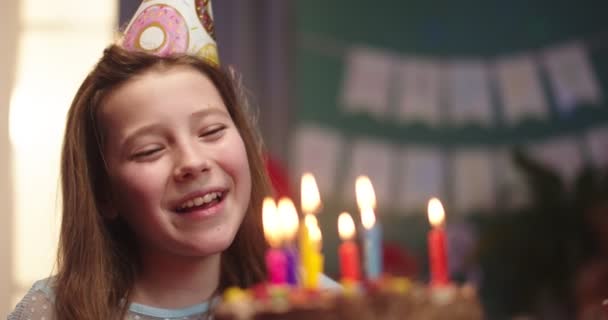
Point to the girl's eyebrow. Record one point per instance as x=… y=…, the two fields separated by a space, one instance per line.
x=207 y=111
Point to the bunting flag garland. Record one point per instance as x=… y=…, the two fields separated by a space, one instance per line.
x=420 y=84
x=571 y=76
x=421 y=178
x=367 y=81
x=444 y=93
x=468 y=93
x=317 y=150
x=520 y=88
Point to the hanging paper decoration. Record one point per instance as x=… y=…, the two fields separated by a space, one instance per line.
x=367 y=81
x=474 y=180
x=316 y=150
x=597 y=142
x=571 y=76
x=419 y=97
x=468 y=93
x=520 y=89
x=561 y=154
x=375 y=160
x=421 y=177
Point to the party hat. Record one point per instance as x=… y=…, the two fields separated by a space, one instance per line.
x=166 y=27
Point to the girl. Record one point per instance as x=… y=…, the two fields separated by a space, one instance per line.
x=162 y=183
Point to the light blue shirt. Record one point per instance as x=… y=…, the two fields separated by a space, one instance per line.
x=37 y=305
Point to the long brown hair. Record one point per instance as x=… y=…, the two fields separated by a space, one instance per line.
x=96 y=261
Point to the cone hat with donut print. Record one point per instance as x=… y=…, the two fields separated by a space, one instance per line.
x=166 y=27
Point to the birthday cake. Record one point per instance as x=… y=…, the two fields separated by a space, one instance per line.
x=389 y=298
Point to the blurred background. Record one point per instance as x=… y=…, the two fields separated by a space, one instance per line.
x=496 y=107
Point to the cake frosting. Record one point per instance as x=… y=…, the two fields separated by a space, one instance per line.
x=389 y=298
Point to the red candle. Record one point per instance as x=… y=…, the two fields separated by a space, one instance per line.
x=348 y=251
x=438 y=258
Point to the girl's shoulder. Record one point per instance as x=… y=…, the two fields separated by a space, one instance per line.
x=37 y=302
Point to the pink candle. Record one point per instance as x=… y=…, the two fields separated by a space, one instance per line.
x=276 y=263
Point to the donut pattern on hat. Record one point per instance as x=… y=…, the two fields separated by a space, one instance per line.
x=159 y=29
x=203 y=11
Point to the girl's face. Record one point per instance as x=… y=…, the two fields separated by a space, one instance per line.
x=178 y=168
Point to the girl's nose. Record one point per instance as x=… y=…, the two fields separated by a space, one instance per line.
x=189 y=164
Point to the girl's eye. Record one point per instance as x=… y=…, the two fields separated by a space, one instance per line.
x=146 y=153
x=213 y=132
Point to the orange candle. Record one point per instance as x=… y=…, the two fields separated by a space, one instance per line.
x=348 y=251
x=438 y=258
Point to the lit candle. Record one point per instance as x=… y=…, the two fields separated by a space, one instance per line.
x=348 y=251
x=314 y=262
x=372 y=232
x=438 y=258
x=309 y=192
x=276 y=263
x=289 y=218
x=310 y=257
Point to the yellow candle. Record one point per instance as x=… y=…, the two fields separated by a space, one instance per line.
x=310 y=236
x=313 y=264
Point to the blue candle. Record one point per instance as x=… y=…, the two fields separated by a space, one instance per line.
x=372 y=244
x=372 y=234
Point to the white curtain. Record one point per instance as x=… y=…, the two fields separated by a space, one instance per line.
x=57 y=44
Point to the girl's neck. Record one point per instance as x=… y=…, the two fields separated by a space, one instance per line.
x=176 y=282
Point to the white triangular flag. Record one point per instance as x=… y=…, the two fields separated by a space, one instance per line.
x=468 y=92
x=560 y=154
x=474 y=181
x=571 y=76
x=421 y=177
x=317 y=150
x=375 y=160
x=420 y=90
x=367 y=81
x=520 y=88
x=512 y=187
x=597 y=141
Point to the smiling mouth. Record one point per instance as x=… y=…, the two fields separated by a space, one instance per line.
x=200 y=203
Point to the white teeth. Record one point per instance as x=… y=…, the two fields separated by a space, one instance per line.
x=198 y=201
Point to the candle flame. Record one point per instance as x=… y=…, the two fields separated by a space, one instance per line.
x=364 y=190
x=315 y=236
x=368 y=218
x=346 y=226
x=289 y=218
x=312 y=226
x=270 y=222
x=436 y=212
x=311 y=200
x=310 y=221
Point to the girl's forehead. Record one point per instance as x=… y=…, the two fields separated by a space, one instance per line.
x=162 y=89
